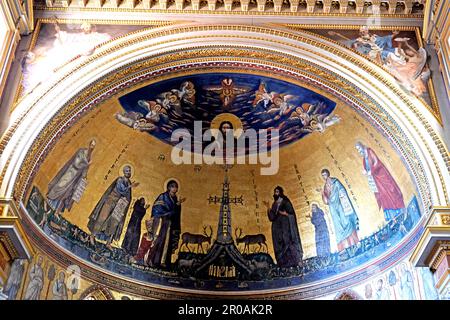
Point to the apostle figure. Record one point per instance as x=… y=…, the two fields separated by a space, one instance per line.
x=59 y=289
x=322 y=235
x=15 y=279
x=70 y=182
x=109 y=214
x=387 y=192
x=131 y=241
x=166 y=214
x=406 y=283
x=345 y=220
x=34 y=288
x=285 y=235
x=382 y=292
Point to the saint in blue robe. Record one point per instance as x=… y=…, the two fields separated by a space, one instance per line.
x=166 y=230
x=345 y=220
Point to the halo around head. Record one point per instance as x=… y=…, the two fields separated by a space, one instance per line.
x=234 y=120
x=123 y=166
x=167 y=181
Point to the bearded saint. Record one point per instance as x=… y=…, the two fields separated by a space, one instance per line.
x=386 y=190
x=285 y=235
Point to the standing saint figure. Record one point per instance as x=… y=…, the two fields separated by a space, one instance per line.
x=34 y=288
x=322 y=235
x=382 y=292
x=166 y=214
x=15 y=279
x=345 y=220
x=406 y=283
x=387 y=192
x=59 y=289
x=285 y=235
x=109 y=214
x=70 y=182
x=131 y=241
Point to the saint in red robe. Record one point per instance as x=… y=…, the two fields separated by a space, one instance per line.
x=388 y=195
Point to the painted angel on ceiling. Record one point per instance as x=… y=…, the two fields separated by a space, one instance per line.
x=173 y=99
x=312 y=118
x=227 y=92
x=275 y=103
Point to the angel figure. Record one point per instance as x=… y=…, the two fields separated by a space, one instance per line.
x=227 y=91
x=262 y=95
x=409 y=67
x=170 y=100
x=136 y=121
x=280 y=104
x=314 y=119
x=186 y=93
x=155 y=111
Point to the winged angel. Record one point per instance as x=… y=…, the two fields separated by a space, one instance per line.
x=314 y=119
x=227 y=91
x=158 y=112
x=273 y=102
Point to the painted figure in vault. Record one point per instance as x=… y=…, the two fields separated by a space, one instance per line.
x=285 y=235
x=381 y=183
x=70 y=182
x=406 y=64
x=166 y=214
x=131 y=241
x=109 y=214
x=34 y=288
x=227 y=92
x=82 y=42
x=311 y=118
x=12 y=286
x=322 y=235
x=409 y=66
x=345 y=219
x=378 y=48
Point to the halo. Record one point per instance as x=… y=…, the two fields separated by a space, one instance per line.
x=126 y=164
x=235 y=121
x=167 y=180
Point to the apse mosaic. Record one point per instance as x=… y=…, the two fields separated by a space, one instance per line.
x=110 y=194
x=57 y=44
x=399 y=52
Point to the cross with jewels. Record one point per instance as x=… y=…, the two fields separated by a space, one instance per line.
x=224 y=233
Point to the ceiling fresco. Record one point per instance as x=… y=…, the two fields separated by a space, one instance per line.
x=399 y=51
x=56 y=44
x=110 y=193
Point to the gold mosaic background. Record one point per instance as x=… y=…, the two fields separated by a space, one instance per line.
x=305 y=158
